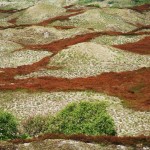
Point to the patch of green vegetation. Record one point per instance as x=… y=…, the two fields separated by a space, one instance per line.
x=8 y=126
x=89 y=118
x=36 y=125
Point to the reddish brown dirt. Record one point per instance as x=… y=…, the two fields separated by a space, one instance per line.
x=45 y=22
x=10 y=11
x=64 y=27
x=141 y=46
x=128 y=141
x=142 y=8
x=57 y=46
x=126 y=85
x=75 y=10
x=141 y=27
x=9 y=73
x=65 y=17
x=69 y=6
x=13 y=21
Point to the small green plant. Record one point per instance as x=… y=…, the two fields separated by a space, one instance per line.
x=8 y=126
x=89 y=118
x=36 y=125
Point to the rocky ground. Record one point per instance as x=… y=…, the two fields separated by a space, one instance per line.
x=54 y=53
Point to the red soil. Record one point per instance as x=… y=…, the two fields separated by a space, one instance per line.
x=142 y=8
x=141 y=27
x=128 y=141
x=141 y=46
x=57 y=46
x=69 y=6
x=12 y=11
x=9 y=73
x=64 y=27
x=65 y=17
x=9 y=11
x=75 y=10
x=13 y=21
x=43 y=23
x=126 y=85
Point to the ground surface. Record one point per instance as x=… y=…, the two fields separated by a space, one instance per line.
x=52 y=55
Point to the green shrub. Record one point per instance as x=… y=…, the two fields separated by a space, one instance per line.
x=8 y=126
x=89 y=118
x=36 y=125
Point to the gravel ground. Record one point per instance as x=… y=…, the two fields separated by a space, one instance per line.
x=20 y=58
x=99 y=20
x=24 y=105
x=7 y=47
x=90 y=59
x=39 y=35
x=117 y=40
x=40 y=12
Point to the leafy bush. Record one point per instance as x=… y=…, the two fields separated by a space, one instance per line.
x=36 y=125
x=89 y=118
x=8 y=126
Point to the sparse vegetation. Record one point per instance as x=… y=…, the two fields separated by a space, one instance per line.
x=36 y=125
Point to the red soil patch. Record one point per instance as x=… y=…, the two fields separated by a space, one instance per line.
x=43 y=23
x=129 y=141
x=12 y=11
x=64 y=27
x=142 y=8
x=9 y=73
x=13 y=21
x=9 y=11
x=141 y=46
x=69 y=6
x=56 y=46
x=126 y=85
x=141 y=27
x=75 y=10
x=65 y=17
